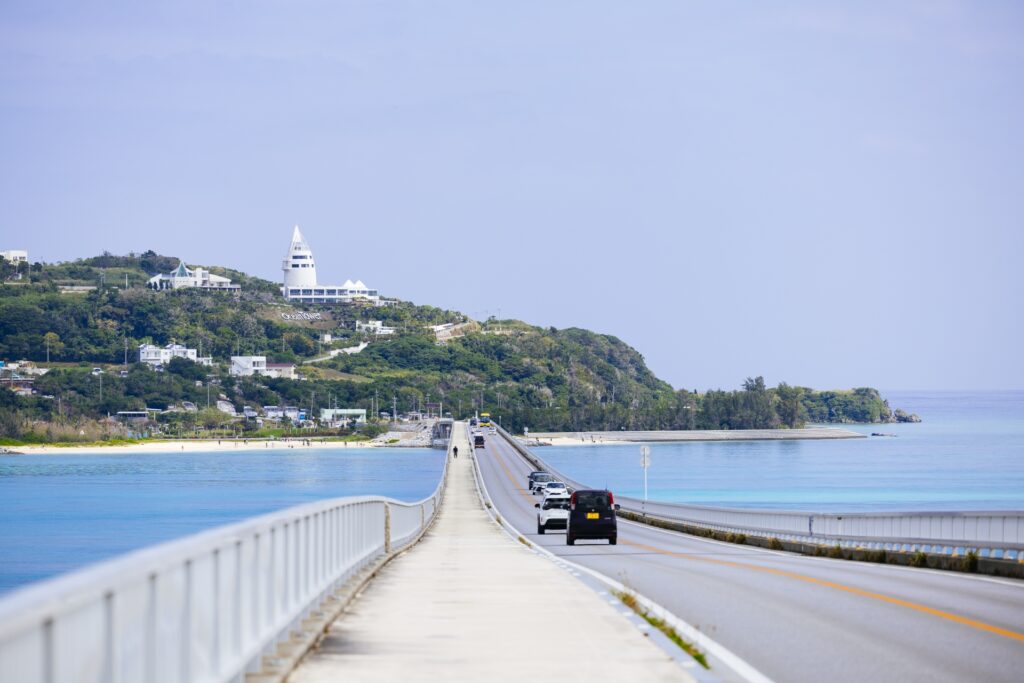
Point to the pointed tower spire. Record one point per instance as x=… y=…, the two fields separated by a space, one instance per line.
x=298 y=266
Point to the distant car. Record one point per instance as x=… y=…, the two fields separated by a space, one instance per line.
x=531 y=475
x=478 y=441
x=539 y=481
x=553 y=513
x=592 y=515
x=554 y=488
x=97 y=371
x=472 y=422
x=493 y=430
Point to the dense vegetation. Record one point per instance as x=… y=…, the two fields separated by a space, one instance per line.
x=547 y=379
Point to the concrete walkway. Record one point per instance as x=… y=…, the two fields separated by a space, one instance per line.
x=469 y=604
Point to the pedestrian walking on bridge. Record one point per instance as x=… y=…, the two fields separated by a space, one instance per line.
x=455 y=451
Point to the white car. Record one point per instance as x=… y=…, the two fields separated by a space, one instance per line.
x=540 y=481
x=553 y=513
x=554 y=488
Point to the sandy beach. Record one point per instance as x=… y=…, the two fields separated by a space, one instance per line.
x=191 y=445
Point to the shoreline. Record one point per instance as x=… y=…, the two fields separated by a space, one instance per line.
x=193 y=445
x=623 y=438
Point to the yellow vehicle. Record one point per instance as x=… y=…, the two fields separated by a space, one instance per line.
x=485 y=419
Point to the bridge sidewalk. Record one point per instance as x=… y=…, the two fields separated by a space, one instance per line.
x=467 y=604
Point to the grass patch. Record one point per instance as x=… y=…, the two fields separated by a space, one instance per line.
x=774 y=543
x=629 y=600
x=524 y=542
x=969 y=563
x=919 y=559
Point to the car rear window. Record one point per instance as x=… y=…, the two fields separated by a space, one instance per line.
x=592 y=499
x=543 y=477
x=556 y=504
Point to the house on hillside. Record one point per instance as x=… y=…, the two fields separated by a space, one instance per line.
x=183 y=276
x=157 y=356
x=247 y=366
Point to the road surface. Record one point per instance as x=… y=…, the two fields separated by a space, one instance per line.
x=797 y=618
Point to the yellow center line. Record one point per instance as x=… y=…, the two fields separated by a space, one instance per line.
x=949 y=616
x=973 y=623
x=511 y=478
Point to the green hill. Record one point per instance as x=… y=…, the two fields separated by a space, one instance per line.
x=544 y=378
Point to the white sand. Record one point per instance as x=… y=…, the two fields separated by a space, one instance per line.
x=205 y=445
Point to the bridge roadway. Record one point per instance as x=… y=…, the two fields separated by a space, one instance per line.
x=792 y=617
x=468 y=603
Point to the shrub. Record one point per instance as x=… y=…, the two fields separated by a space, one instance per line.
x=774 y=543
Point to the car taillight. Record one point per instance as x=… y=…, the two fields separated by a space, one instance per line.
x=611 y=498
x=572 y=502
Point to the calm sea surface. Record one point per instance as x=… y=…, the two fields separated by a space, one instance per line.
x=968 y=454
x=60 y=512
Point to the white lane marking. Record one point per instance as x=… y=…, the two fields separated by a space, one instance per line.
x=732 y=661
x=867 y=566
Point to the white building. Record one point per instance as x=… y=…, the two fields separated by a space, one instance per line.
x=183 y=276
x=300 y=281
x=155 y=355
x=336 y=416
x=376 y=327
x=247 y=366
x=14 y=256
x=282 y=370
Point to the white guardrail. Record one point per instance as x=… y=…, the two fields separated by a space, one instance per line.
x=207 y=607
x=999 y=535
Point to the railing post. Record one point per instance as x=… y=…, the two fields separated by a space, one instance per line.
x=387 y=528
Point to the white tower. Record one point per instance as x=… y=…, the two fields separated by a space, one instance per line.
x=298 y=265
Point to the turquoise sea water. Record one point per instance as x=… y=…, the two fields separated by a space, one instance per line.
x=61 y=512
x=968 y=454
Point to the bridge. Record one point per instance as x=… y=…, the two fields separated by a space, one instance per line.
x=460 y=585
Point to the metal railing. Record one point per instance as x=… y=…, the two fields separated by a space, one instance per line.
x=990 y=534
x=207 y=607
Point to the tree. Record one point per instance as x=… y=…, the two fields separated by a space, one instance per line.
x=53 y=345
x=790 y=406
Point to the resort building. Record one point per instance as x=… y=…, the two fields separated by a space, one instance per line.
x=183 y=276
x=155 y=355
x=247 y=366
x=300 y=281
x=14 y=256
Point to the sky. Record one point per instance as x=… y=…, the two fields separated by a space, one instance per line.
x=826 y=194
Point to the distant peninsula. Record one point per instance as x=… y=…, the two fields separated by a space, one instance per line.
x=74 y=337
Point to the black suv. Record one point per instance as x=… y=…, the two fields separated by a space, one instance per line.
x=592 y=515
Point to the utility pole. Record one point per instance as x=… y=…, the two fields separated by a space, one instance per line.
x=126 y=340
x=394 y=408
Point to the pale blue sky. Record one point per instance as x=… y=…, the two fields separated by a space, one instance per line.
x=828 y=194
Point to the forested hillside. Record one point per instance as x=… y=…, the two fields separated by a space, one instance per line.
x=546 y=379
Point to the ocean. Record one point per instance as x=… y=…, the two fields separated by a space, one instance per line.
x=62 y=512
x=967 y=454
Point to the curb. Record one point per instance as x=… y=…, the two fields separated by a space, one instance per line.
x=733 y=662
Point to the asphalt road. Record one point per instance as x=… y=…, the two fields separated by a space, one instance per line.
x=797 y=618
